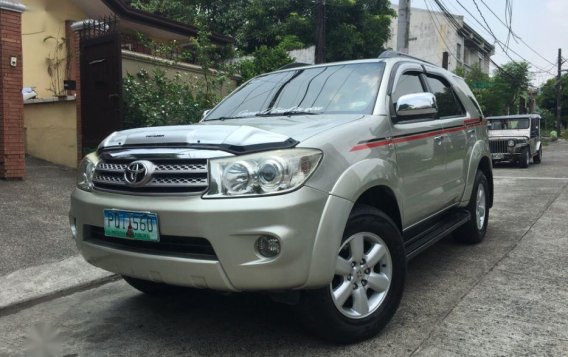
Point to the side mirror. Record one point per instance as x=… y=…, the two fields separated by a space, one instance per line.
x=416 y=105
x=205 y=112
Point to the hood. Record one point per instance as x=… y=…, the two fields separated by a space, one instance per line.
x=235 y=135
x=509 y=133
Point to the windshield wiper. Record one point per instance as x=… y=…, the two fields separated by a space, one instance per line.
x=224 y=118
x=285 y=113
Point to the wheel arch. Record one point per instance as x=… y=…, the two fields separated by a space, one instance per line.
x=382 y=198
x=486 y=168
x=479 y=159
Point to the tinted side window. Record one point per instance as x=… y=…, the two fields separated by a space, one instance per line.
x=408 y=83
x=448 y=104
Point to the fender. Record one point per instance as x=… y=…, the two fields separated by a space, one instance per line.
x=538 y=145
x=357 y=179
x=479 y=150
x=366 y=174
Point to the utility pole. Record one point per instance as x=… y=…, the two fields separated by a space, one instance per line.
x=558 y=92
x=320 y=31
x=403 y=27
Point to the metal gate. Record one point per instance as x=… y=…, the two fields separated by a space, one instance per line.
x=101 y=81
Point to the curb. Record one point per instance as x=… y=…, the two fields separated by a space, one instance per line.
x=34 y=285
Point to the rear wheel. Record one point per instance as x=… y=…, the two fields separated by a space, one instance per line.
x=367 y=287
x=474 y=230
x=525 y=158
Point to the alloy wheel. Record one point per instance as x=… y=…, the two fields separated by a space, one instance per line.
x=363 y=275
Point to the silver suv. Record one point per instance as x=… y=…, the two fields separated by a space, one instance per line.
x=315 y=184
x=515 y=138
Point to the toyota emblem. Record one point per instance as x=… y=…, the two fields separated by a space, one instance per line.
x=138 y=173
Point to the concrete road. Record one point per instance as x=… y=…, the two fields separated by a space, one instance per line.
x=34 y=221
x=504 y=297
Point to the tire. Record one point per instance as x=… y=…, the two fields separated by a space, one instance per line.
x=371 y=257
x=525 y=158
x=154 y=289
x=474 y=230
x=538 y=157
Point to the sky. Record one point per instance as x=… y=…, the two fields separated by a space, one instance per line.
x=542 y=24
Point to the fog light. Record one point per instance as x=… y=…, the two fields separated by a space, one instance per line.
x=73 y=225
x=268 y=246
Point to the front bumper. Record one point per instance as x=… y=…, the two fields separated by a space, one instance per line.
x=305 y=221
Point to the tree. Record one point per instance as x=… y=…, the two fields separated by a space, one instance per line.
x=547 y=100
x=481 y=85
x=511 y=84
x=355 y=29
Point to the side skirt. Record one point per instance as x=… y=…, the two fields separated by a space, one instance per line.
x=426 y=234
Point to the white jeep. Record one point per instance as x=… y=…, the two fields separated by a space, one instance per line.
x=515 y=138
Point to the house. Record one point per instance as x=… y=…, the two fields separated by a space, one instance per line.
x=434 y=38
x=44 y=41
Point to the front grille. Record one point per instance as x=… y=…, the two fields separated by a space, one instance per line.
x=169 y=176
x=174 y=246
x=499 y=146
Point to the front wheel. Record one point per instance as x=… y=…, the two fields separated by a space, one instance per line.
x=525 y=158
x=367 y=287
x=538 y=157
x=474 y=230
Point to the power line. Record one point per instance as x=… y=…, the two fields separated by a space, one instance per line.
x=516 y=36
x=492 y=34
x=437 y=27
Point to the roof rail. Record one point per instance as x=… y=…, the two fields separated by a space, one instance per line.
x=393 y=54
x=294 y=65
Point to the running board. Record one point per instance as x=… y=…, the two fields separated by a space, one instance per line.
x=437 y=230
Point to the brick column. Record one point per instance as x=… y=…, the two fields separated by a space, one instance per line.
x=12 y=136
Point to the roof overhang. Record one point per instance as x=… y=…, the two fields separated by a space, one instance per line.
x=473 y=38
x=150 y=24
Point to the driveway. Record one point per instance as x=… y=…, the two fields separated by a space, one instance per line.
x=34 y=225
x=504 y=297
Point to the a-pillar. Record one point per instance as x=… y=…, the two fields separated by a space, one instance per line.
x=12 y=135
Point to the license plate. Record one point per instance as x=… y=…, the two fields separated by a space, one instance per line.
x=131 y=225
x=497 y=156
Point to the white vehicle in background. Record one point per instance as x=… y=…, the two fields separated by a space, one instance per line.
x=515 y=138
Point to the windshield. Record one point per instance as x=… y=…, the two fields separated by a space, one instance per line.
x=509 y=124
x=344 y=88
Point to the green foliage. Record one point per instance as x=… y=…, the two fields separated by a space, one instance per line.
x=547 y=98
x=152 y=99
x=354 y=29
x=511 y=84
x=501 y=94
x=264 y=60
x=549 y=119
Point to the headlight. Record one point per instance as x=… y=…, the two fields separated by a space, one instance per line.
x=511 y=143
x=261 y=174
x=86 y=171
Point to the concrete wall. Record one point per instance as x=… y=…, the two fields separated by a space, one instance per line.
x=133 y=63
x=51 y=130
x=431 y=34
x=43 y=18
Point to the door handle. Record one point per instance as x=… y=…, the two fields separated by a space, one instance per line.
x=438 y=139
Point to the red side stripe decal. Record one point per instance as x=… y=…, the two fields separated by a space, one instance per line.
x=468 y=123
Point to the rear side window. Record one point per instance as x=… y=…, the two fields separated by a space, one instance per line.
x=408 y=83
x=465 y=89
x=448 y=104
